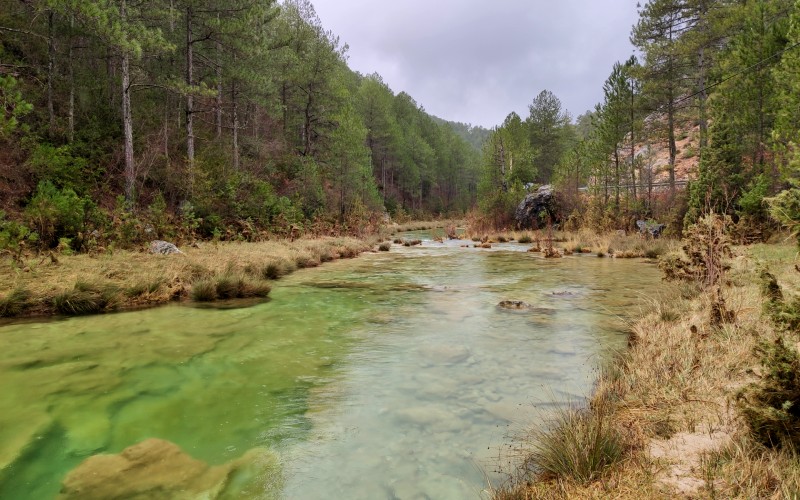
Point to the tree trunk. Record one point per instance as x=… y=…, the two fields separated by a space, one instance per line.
x=71 y=110
x=127 y=123
x=189 y=100
x=633 y=144
x=219 y=88
x=51 y=68
x=235 y=102
x=673 y=149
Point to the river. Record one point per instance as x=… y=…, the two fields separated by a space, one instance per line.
x=394 y=375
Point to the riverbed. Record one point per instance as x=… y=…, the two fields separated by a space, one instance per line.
x=394 y=375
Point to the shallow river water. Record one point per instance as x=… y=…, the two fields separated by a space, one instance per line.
x=394 y=375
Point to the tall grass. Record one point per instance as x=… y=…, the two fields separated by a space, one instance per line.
x=15 y=303
x=579 y=446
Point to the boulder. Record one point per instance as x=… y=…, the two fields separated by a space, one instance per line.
x=651 y=228
x=537 y=209
x=163 y=247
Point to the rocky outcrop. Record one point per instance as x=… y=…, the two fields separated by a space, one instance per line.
x=156 y=469
x=163 y=247
x=537 y=209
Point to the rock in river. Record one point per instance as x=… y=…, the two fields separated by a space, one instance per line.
x=514 y=305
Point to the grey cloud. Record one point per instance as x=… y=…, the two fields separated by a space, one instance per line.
x=476 y=61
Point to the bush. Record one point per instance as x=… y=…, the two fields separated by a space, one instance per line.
x=14 y=236
x=771 y=407
x=580 y=446
x=385 y=247
x=60 y=166
x=785 y=208
x=58 y=213
x=705 y=248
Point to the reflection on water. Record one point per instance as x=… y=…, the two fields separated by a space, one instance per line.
x=389 y=376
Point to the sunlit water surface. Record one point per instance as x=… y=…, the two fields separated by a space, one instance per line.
x=394 y=375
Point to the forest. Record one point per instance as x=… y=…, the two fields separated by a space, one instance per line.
x=135 y=120
x=720 y=76
x=131 y=120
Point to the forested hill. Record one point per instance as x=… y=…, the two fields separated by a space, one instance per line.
x=229 y=114
x=475 y=135
x=715 y=84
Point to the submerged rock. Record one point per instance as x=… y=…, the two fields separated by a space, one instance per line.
x=156 y=469
x=515 y=305
x=163 y=247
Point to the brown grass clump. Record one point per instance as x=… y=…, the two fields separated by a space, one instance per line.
x=672 y=396
x=14 y=303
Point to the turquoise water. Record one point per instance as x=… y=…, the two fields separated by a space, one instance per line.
x=394 y=375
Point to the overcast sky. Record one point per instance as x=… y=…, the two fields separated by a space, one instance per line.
x=476 y=61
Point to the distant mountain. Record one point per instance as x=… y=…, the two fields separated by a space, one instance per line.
x=475 y=135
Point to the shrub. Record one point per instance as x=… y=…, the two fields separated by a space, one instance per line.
x=525 y=238
x=385 y=247
x=14 y=236
x=580 y=445
x=771 y=407
x=785 y=208
x=59 y=165
x=55 y=213
x=784 y=313
x=705 y=248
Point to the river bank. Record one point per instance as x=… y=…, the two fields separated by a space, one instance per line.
x=45 y=285
x=667 y=418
